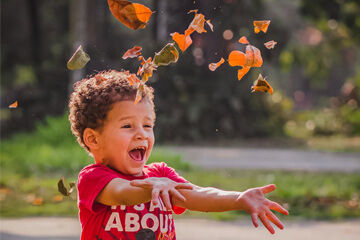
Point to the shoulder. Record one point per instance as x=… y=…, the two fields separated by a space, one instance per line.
x=94 y=171
x=161 y=169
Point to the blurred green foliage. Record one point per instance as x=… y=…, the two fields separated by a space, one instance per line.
x=52 y=150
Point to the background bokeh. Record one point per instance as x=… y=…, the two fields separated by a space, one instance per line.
x=314 y=70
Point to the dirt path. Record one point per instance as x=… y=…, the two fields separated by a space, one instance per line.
x=186 y=229
x=263 y=158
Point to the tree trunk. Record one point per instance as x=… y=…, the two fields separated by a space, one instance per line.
x=78 y=9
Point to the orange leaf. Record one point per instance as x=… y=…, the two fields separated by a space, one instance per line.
x=243 y=40
x=139 y=93
x=242 y=72
x=57 y=198
x=132 y=79
x=146 y=70
x=38 y=201
x=133 y=15
x=197 y=24
x=261 y=85
x=236 y=58
x=253 y=57
x=210 y=25
x=214 y=66
x=182 y=41
x=261 y=26
x=270 y=44
x=133 y=52
x=14 y=105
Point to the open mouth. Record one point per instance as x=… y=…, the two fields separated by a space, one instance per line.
x=138 y=153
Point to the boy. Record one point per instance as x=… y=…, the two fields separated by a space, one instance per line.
x=119 y=197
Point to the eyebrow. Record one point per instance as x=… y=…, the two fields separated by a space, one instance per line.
x=128 y=117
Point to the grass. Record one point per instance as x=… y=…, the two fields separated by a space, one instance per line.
x=32 y=163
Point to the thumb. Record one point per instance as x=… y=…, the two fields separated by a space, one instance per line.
x=140 y=183
x=268 y=188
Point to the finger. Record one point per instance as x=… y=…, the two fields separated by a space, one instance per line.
x=268 y=188
x=155 y=196
x=178 y=195
x=266 y=223
x=140 y=183
x=166 y=199
x=254 y=219
x=274 y=219
x=277 y=207
x=184 y=186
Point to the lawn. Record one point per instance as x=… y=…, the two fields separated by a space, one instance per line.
x=32 y=163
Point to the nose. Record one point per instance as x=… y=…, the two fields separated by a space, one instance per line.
x=140 y=133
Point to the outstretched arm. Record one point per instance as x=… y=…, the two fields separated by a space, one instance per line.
x=252 y=201
x=123 y=192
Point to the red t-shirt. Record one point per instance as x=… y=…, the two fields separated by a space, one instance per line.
x=143 y=221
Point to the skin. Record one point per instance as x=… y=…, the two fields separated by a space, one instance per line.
x=128 y=126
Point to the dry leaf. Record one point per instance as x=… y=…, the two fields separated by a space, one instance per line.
x=210 y=25
x=253 y=57
x=197 y=24
x=133 y=52
x=57 y=198
x=243 y=40
x=261 y=85
x=78 y=60
x=133 y=79
x=14 y=105
x=62 y=189
x=169 y=54
x=139 y=93
x=236 y=58
x=133 y=15
x=38 y=201
x=182 y=41
x=146 y=70
x=214 y=66
x=270 y=44
x=261 y=26
x=242 y=72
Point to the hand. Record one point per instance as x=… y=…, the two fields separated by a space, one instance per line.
x=254 y=202
x=162 y=186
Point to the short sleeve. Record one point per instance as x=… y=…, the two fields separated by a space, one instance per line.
x=92 y=179
x=165 y=171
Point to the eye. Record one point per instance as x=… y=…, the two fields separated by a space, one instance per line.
x=148 y=126
x=126 y=126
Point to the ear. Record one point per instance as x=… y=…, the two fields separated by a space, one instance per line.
x=91 y=139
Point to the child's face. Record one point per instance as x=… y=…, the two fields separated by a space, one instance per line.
x=127 y=137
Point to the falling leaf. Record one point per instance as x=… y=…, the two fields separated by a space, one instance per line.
x=99 y=79
x=182 y=41
x=242 y=72
x=169 y=54
x=253 y=57
x=243 y=40
x=261 y=26
x=78 y=60
x=14 y=105
x=210 y=25
x=197 y=24
x=146 y=70
x=236 y=58
x=62 y=189
x=133 y=79
x=133 y=15
x=133 y=52
x=38 y=201
x=214 y=66
x=261 y=85
x=270 y=44
x=139 y=93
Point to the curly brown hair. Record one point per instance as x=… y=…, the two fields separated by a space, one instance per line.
x=93 y=98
